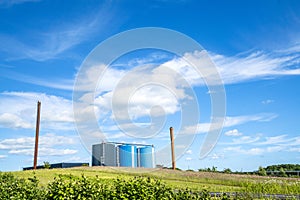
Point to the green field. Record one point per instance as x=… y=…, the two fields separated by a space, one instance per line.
x=196 y=181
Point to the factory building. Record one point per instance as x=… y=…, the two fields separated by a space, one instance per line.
x=123 y=155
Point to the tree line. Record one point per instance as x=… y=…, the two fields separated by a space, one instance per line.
x=282 y=170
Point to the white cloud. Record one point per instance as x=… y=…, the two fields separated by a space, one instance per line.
x=113 y=136
x=48 y=140
x=216 y=156
x=133 y=93
x=240 y=150
x=259 y=145
x=275 y=149
x=189 y=152
x=44 y=152
x=295 y=141
x=294 y=149
x=136 y=92
x=232 y=121
x=188 y=159
x=268 y=101
x=49 y=144
x=245 y=140
x=254 y=151
x=3 y=156
x=10 y=120
x=56 y=112
x=233 y=132
x=239 y=68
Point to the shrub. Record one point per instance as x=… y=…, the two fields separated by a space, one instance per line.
x=19 y=188
x=262 y=171
x=47 y=165
x=71 y=187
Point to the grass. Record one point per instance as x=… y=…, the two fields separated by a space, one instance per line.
x=197 y=181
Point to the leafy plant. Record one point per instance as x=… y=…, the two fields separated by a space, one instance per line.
x=15 y=188
x=47 y=165
x=262 y=171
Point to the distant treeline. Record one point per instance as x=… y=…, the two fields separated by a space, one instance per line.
x=285 y=167
x=282 y=170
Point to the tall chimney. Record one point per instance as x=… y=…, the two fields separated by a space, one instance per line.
x=172 y=148
x=37 y=130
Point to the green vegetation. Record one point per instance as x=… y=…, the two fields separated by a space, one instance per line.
x=72 y=187
x=285 y=167
x=47 y=165
x=262 y=171
x=15 y=188
x=127 y=183
x=282 y=170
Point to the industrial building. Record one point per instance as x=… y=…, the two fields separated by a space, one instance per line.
x=123 y=155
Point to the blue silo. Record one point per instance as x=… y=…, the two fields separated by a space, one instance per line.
x=146 y=157
x=128 y=155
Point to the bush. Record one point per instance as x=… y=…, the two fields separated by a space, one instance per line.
x=262 y=171
x=227 y=171
x=47 y=165
x=15 y=188
x=71 y=187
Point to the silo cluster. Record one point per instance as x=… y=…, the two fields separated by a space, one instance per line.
x=123 y=155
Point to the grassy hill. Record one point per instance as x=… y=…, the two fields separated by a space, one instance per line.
x=197 y=181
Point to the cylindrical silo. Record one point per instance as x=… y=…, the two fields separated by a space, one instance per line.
x=146 y=157
x=127 y=155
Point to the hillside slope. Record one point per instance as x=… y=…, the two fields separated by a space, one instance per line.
x=197 y=181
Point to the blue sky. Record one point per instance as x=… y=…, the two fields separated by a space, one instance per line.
x=254 y=45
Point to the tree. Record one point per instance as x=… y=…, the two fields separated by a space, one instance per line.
x=227 y=171
x=47 y=165
x=262 y=171
x=214 y=169
x=282 y=172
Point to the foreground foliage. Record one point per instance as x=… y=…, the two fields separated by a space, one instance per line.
x=72 y=187
x=68 y=186
x=14 y=188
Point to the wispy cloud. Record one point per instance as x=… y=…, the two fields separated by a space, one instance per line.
x=63 y=84
x=262 y=117
x=9 y=3
x=257 y=65
x=280 y=139
x=231 y=121
x=268 y=101
x=246 y=66
x=216 y=156
x=245 y=140
x=253 y=151
x=280 y=143
x=53 y=42
x=240 y=150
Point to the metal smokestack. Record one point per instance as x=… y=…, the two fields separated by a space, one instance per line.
x=172 y=148
x=37 y=130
